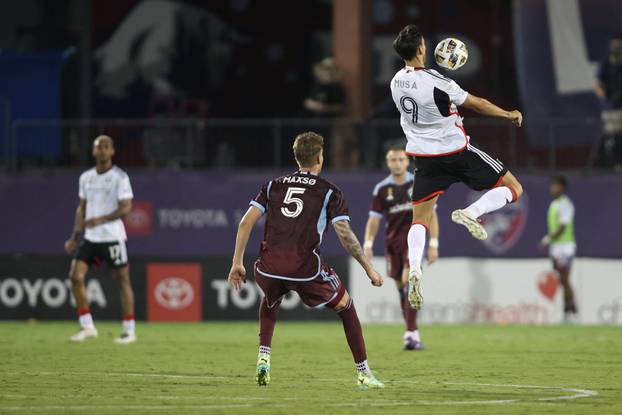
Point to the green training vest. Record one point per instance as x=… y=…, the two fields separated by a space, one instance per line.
x=553 y=222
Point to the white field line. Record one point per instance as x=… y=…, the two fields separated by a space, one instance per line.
x=576 y=393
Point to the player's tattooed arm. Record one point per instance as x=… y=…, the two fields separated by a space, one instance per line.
x=125 y=206
x=353 y=247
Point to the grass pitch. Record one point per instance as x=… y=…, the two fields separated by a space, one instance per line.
x=209 y=369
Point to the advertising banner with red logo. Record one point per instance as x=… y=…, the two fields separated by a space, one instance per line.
x=174 y=292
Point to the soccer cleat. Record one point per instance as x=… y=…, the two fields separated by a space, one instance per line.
x=475 y=228
x=84 y=334
x=415 y=289
x=263 y=370
x=368 y=381
x=126 y=338
x=412 y=344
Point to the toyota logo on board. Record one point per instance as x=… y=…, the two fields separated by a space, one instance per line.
x=174 y=293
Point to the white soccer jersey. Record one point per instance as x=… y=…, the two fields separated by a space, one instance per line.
x=427 y=103
x=102 y=193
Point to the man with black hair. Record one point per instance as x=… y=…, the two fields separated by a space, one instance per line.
x=609 y=89
x=427 y=102
x=560 y=240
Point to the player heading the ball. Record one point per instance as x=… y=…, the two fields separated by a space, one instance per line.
x=427 y=102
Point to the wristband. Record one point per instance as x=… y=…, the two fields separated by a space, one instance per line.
x=369 y=244
x=433 y=243
x=546 y=240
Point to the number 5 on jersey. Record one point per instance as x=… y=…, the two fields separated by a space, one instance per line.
x=291 y=200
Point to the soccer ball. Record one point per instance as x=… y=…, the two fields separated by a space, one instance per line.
x=451 y=53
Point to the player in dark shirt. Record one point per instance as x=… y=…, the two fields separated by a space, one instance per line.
x=392 y=201
x=298 y=208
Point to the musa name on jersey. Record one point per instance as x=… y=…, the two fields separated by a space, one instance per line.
x=392 y=201
x=102 y=193
x=427 y=103
x=298 y=208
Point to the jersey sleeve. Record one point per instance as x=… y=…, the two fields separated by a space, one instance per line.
x=566 y=212
x=82 y=187
x=337 y=209
x=124 y=190
x=376 y=208
x=261 y=200
x=456 y=94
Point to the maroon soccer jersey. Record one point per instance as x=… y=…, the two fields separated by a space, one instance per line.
x=298 y=207
x=392 y=201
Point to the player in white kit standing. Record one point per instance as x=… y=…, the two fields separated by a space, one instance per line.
x=427 y=102
x=105 y=197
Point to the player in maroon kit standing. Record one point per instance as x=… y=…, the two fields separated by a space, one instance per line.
x=298 y=208
x=392 y=200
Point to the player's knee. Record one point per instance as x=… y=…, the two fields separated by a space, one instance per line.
x=343 y=303
x=76 y=277
x=517 y=190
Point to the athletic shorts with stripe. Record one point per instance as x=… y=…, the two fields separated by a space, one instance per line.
x=470 y=166
x=113 y=254
x=326 y=290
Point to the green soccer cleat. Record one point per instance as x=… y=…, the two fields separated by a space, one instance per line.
x=263 y=370
x=368 y=381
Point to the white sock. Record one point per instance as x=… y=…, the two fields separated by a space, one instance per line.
x=264 y=350
x=412 y=335
x=86 y=321
x=363 y=367
x=490 y=201
x=129 y=326
x=416 y=243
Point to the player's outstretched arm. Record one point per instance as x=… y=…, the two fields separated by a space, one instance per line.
x=78 y=227
x=353 y=247
x=371 y=230
x=485 y=107
x=237 y=274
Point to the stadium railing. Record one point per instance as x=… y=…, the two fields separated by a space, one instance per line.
x=544 y=145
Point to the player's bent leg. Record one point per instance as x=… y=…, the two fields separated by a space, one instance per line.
x=354 y=335
x=511 y=182
x=122 y=276
x=77 y=275
x=422 y=215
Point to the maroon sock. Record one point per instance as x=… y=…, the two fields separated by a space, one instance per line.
x=410 y=314
x=267 y=321
x=354 y=332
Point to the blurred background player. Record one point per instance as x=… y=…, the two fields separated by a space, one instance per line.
x=561 y=242
x=427 y=102
x=609 y=89
x=105 y=197
x=298 y=207
x=391 y=200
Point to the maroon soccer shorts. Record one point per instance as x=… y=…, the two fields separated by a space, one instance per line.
x=324 y=291
x=397 y=260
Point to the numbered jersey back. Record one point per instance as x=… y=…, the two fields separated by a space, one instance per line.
x=427 y=103
x=298 y=209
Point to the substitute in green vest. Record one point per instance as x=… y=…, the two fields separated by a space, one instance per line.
x=561 y=242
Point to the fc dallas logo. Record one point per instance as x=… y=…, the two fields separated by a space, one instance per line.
x=504 y=226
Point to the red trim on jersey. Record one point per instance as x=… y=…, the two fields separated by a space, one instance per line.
x=340 y=293
x=128 y=317
x=498 y=183
x=425 y=225
x=428 y=197
x=84 y=310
